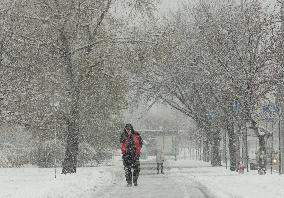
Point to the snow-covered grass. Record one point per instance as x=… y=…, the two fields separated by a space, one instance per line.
x=183 y=163
x=222 y=183
x=40 y=182
x=248 y=185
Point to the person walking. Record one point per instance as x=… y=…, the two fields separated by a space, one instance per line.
x=160 y=160
x=131 y=144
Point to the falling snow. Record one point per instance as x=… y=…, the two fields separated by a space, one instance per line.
x=200 y=81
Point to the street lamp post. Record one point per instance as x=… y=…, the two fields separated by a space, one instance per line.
x=279 y=138
x=55 y=105
x=55 y=154
x=225 y=149
x=272 y=148
x=246 y=148
x=273 y=112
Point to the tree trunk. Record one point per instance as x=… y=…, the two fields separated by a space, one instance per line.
x=232 y=146
x=216 y=157
x=71 y=153
x=206 y=150
x=262 y=151
x=238 y=150
x=261 y=143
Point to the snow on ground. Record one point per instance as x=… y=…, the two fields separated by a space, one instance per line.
x=191 y=175
x=225 y=184
x=186 y=163
x=222 y=183
x=40 y=182
x=155 y=186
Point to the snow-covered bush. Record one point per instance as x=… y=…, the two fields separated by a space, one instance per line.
x=11 y=156
x=47 y=152
x=4 y=162
x=87 y=155
x=104 y=155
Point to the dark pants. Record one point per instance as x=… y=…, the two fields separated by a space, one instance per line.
x=158 y=167
x=130 y=164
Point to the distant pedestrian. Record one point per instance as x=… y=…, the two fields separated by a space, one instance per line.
x=131 y=144
x=160 y=161
x=241 y=168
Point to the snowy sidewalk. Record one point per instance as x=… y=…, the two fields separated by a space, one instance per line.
x=154 y=186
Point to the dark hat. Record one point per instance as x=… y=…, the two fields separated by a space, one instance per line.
x=128 y=126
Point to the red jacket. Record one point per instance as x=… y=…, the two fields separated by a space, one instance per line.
x=138 y=142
